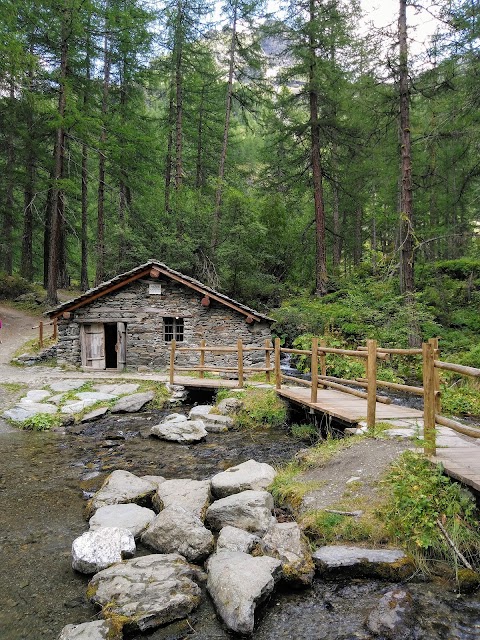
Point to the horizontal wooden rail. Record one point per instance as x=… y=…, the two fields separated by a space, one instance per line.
x=305 y=383
x=418 y=391
x=340 y=352
x=457 y=368
x=41 y=325
x=400 y=352
x=458 y=426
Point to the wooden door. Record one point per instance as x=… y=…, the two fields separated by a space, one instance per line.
x=93 y=346
x=121 y=345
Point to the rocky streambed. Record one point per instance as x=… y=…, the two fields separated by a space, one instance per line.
x=45 y=479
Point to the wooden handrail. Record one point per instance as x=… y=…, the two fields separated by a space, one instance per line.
x=417 y=391
x=41 y=325
x=458 y=368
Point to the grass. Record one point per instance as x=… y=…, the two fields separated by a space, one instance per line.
x=14 y=387
x=33 y=347
x=261 y=408
x=41 y=422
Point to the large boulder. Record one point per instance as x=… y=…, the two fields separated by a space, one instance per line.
x=392 y=617
x=178 y=428
x=249 y=475
x=147 y=592
x=121 y=487
x=192 y=495
x=35 y=396
x=238 y=583
x=249 y=510
x=285 y=541
x=125 y=516
x=390 y=564
x=234 y=539
x=97 y=550
x=133 y=403
x=98 y=630
x=229 y=406
x=214 y=422
x=21 y=412
x=178 y=530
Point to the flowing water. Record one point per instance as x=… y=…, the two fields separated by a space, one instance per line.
x=44 y=480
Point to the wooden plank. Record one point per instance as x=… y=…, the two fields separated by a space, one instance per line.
x=428 y=399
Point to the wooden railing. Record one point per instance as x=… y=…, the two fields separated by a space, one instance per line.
x=239 y=350
x=371 y=354
x=41 y=326
x=431 y=366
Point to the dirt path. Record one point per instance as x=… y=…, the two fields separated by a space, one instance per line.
x=16 y=330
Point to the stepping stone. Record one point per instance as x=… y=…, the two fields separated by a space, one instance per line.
x=180 y=430
x=124 y=516
x=132 y=403
x=19 y=413
x=66 y=385
x=148 y=592
x=192 y=495
x=76 y=406
x=116 y=389
x=249 y=475
x=391 y=564
x=98 y=630
x=96 y=396
x=95 y=414
x=35 y=396
x=249 y=510
x=238 y=584
x=119 y=488
x=97 y=550
x=234 y=539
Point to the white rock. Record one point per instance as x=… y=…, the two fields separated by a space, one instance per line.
x=66 y=385
x=97 y=396
x=97 y=550
x=116 y=389
x=35 y=395
x=284 y=541
x=19 y=413
x=249 y=475
x=229 y=406
x=98 y=630
x=238 y=583
x=177 y=430
x=133 y=403
x=234 y=539
x=124 y=516
x=200 y=411
x=249 y=510
x=76 y=406
x=155 y=480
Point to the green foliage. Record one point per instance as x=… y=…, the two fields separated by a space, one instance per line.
x=461 y=400
x=287 y=490
x=261 y=408
x=308 y=432
x=41 y=422
x=419 y=495
x=337 y=365
x=333 y=528
x=13 y=286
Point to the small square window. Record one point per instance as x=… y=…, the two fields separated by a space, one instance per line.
x=173 y=329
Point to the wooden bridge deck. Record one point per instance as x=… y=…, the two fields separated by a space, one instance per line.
x=459 y=454
x=345 y=407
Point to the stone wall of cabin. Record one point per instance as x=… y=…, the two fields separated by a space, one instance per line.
x=143 y=314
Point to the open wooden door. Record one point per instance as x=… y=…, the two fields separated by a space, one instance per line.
x=121 y=346
x=93 y=346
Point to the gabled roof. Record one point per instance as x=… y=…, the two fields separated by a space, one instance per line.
x=142 y=270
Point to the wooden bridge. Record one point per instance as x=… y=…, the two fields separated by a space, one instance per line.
x=353 y=402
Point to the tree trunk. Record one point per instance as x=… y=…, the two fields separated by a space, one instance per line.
x=58 y=195
x=407 y=285
x=26 y=267
x=178 y=55
x=100 y=271
x=226 y=130
x=358 y=240
x=320 y=249
x=84 y=233
x=200 y=171
x=168 y=158
x=7 y=240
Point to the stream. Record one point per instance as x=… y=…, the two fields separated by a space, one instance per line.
x=45 y=479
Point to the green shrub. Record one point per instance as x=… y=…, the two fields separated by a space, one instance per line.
x=261 y=408
x=13 y=286
x=462 y=400
x=420 y=495
x=41 y=422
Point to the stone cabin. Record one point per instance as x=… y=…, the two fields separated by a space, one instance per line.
x=131 y=320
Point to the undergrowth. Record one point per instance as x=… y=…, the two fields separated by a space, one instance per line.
x=419 y=497
x=261 y=408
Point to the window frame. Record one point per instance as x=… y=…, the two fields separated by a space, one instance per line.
x=173 y=329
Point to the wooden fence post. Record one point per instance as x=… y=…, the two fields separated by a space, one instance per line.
x=268 y=344
x=278 y=371
x=240 y=362
x=55 y=329
x=428 y=399
x=173 y=345
x=372 y=382
x=323 y=359
x=40 y=338
x=436 y=376
x=314 y=371
x=202 y=358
